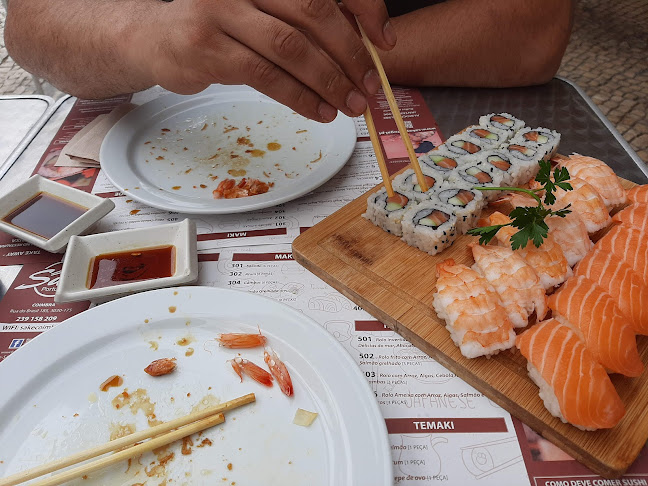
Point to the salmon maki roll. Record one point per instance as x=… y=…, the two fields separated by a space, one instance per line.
x=472 y=310
x=573 y=385
x=604 y=329
x=599 y=175
x=634 y=216
x=586 y=202
x=548 y=261
x=638 y=194
x=514 y=280
x=629 y=245
x=619 y=280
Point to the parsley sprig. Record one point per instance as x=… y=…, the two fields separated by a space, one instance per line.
x=530 y=221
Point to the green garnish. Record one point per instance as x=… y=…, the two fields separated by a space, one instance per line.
x=530 y=220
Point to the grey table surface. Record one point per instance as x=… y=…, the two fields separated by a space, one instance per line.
x=559 y=105
x=19 y=116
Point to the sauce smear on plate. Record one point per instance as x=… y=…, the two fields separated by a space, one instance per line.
x=44 y=215
x=131 y=266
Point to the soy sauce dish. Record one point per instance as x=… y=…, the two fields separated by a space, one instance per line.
x=47 y=214
x=105 y=266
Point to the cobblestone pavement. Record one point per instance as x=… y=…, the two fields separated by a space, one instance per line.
x=607 y=56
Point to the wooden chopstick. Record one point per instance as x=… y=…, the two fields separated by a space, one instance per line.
x=393 y=106
x=198 y=417
x=375 y=142
x=137 y=450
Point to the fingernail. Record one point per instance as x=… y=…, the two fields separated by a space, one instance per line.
x=389 y=33
x=326 y=112
x=371 y=81
x=356 y=102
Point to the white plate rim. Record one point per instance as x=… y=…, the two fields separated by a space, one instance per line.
x=114 y=154
x=125 y=312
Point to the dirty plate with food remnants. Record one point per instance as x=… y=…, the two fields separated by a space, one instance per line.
x=227 y=149
x=84 y=383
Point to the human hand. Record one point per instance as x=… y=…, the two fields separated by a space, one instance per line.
x=303 y=53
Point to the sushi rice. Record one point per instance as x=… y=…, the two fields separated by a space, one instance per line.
x=498 y=161
x=430 y=226
x=387 y=212
x=486 y=136
x=407 y=182
x=477 y=174
x=542 y=139
x=441 y=160
x=502 y=121
x=465 y=201
x=463 y=144
x=526 y=156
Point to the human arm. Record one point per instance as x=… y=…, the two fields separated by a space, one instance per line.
x=99 y=49
x=499 y=43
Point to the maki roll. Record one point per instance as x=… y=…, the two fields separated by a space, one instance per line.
x=464 y=144
x=443 y=161
x=527 y=156
x=466 y=203
x=429 y=226
x=496 y=160
x=486 y=136
x=387 y=212
x=477 y=174
x=502 y=121
x=542 y=139
x=407 y=182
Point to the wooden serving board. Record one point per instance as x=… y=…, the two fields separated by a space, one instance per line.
x=394 y=282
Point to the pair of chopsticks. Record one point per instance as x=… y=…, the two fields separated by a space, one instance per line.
x=157 y=436
x=393 y=106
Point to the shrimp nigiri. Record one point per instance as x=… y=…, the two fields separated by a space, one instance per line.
x=599 y=175
x=604 y=329
x=514 y=280
x=279 y=371
x=635 y=216
x=619 y=280
x=638 y=194
x=629 y=245
x=548 y=261
x=473 y=311
x=573 y=386
x=586 y=202
x=258 y=374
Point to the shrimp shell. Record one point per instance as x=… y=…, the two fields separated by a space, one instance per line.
x=279 y=371
x=258 y=374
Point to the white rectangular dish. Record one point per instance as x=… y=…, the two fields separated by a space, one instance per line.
x=95 y=208
x=82 y=250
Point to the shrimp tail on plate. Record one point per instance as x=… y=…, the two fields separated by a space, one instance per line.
x=279 y=371
x=243 y=366
x=236 y=340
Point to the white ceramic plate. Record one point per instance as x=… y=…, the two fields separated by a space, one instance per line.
x=51 y=405
x=172 y=152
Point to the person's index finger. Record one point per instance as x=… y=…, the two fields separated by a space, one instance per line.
x=373 y=16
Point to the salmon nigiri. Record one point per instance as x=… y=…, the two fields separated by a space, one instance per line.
x=573 y=386
x=599 y=175
x=548 y=261
x=629 y=245
x=586 y=202
x=514 y=280
x=473 y=311
x=638 y=194
x=634 y=216
x=604 y=329
x=619 y=280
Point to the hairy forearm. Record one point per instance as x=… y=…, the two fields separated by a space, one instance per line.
x=86 y=48
x=498 y=43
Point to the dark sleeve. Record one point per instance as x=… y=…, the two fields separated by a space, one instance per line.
x=400 y=7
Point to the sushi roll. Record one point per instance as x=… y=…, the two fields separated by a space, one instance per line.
x=502 y=121
x=407 y=182
x=472 y=310
x=466 y=202
x=573 y=385
x=542 y=139
x=486 y=136
x=440 y=160
x=527 y=157
x=430 y=226
x=477 y=174
x=463 y=144
x=497 y=161
x=387 y=212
